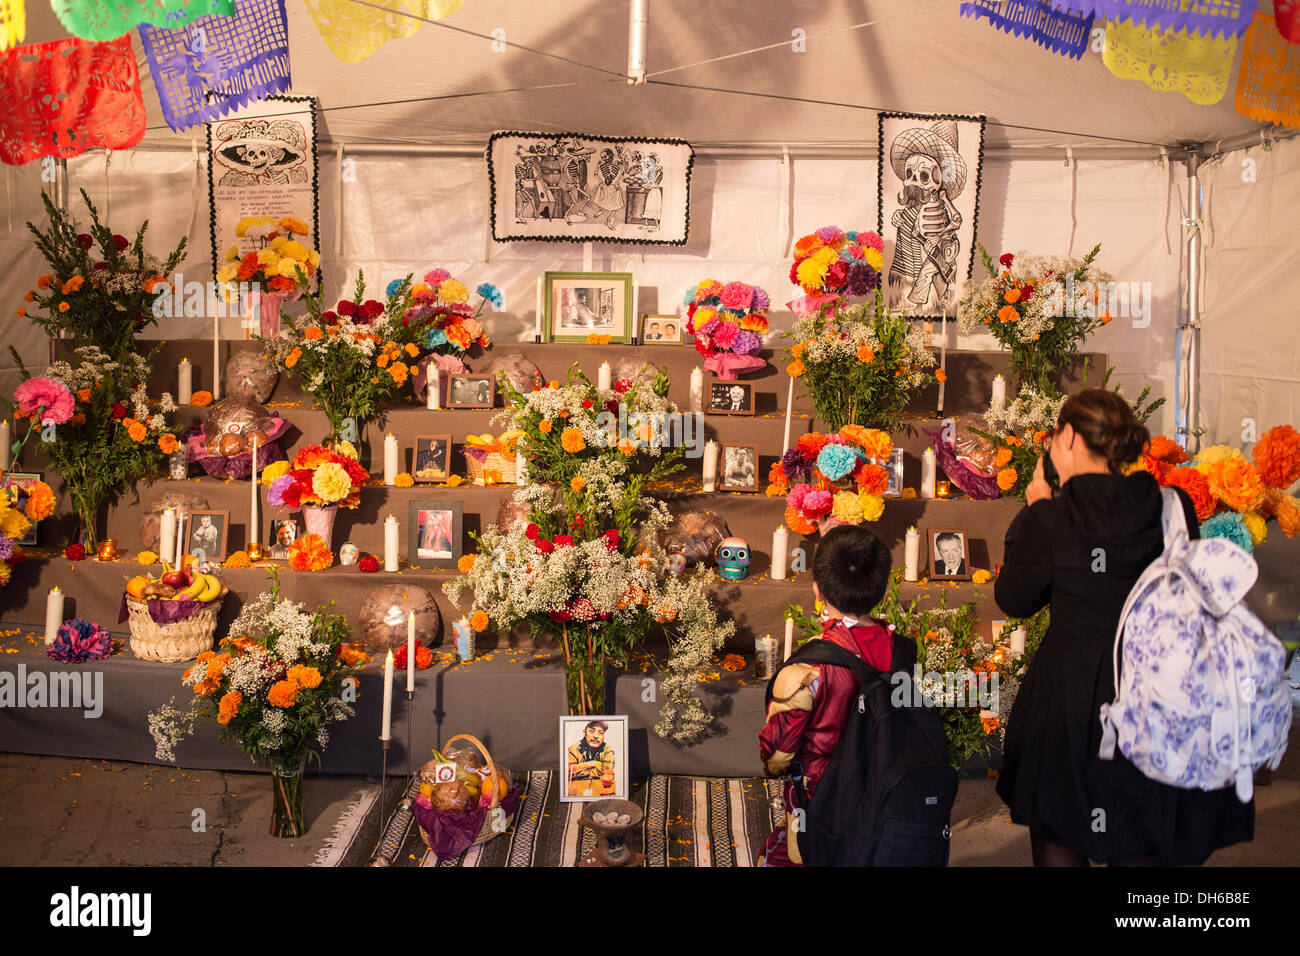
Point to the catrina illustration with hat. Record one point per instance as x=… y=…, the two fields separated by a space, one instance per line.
x=258 y=152
x=933 y=173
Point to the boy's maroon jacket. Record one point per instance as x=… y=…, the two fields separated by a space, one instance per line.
x=806 y=717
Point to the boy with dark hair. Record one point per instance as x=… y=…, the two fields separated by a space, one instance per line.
x=810 y=703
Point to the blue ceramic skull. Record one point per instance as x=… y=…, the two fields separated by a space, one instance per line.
x=733 y=559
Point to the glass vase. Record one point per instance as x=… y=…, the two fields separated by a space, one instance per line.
x=287 y=818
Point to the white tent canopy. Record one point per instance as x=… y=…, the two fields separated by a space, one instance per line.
x=413 y=119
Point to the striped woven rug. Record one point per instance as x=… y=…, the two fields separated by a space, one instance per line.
x=689 y=821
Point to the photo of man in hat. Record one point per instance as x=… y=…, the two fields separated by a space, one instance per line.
x=591 y=761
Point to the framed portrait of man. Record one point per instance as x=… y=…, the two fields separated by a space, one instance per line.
x=434 y=533
x=284 y=532
x=731 y=398
x=593 y=758
x=432 y=458
x=949 y=555
x=739 y=467
x=205 y=535
x=471 y=391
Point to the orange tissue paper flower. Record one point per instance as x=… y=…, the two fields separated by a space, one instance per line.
x=1197 y=487
x=811 y=444
x=1170 y=452
x=1285 y=509
x=872 y=479
x=40 y=501
x=309 y=553
x=1237 y=484
x=798 y=523
x=283 y=694
x=1277 y=456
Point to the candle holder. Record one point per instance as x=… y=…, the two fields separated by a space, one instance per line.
x=107 y=550
x=942 y=488
x=256 y=552
x=178 y=463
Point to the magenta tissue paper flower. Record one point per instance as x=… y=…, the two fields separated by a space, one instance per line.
x=46 y=393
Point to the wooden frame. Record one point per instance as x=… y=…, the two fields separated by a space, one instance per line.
x=434 y=474
x=22 y=479
x=273 y=538
x=932 y=538
x=192 y=528
x=677 y=323
x=618 y=305
x=471 y=377
x=721 y=396
x=726 y=485
x=573 y=730
x=435 y=557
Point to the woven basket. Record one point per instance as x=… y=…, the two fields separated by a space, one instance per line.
x=177 y=641
x=487 y=831
x=495 y=461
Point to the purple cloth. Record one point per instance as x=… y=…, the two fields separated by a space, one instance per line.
x=1220 y=17
x=237 y=466
x=976 y=485
x=165 y=612
x=1058 y=30
x=239 y=59
x=451 y=834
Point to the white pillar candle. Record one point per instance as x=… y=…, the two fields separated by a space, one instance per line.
x=927 y=473
x=167 y=534
x=386 y=731
x=53 y=614
x=780 y=552
x=6 y=439
x=538 y=331
x=710 y=465
x=521 y=468
x=1018 y=641
x=184 y=382
x=603 y=377
x=216 y=358
x=999 y=392
x=912 y=555
x=789 y=410
x=253 y=520
x=697 y=390
x=789 y=639
x=390 y=543
x=433 y=390
x=390 y=459
x=410 y=651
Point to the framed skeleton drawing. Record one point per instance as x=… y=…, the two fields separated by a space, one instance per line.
x=928 y=195
x=572 y=187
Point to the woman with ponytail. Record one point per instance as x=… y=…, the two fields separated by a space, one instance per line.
x=1079 y=546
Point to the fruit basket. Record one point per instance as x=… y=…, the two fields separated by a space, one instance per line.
x=451 y=831
x=188 y=623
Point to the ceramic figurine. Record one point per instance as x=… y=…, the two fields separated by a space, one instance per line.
x=733 y=559
x=676 y=562
x=348 y=554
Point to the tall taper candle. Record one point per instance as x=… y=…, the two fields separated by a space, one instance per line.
x=184 y=382
x=433 y=389
x=391 y=452
x=390 y=543
x=216 y=358
x=697 y=390
x=6 y=439
x=636 y=305
x=410 y=651
x=912 y=555
x=167 y=534
x=780 y=552
x=789 y=639
x=789 y=410
x=603 y=377
x=53 y=614
x=928 y=467
x=538 y=330
x=999 y=397
x=180 y=540
x=386 y=732
x=710 y=465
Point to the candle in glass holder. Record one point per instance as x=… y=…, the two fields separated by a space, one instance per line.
x=178 y=462
x=464 y=640
x=942 y=489
x=107 y=550
x=492 y=476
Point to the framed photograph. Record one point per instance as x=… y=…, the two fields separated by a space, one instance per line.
x=284 y=532
x=739 y=468
x=575 y=187
x=949 y=555
x=731 y=398
x=593 y=758
x=927 y=195
x=205 y=535
x=471 y=391
x=579 y=304
x=22 y=480
x=434 y=533
x=661 y=329
x=432 y=458
x=895 y=468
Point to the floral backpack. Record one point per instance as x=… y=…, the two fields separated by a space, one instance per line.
x=1201 y=701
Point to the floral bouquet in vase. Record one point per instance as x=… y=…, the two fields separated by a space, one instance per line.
x=831 y=264
x=728 y=322
x=828 y=480
x=274 y=268
x=445 y=326
x=319 y=481
x=21 y=506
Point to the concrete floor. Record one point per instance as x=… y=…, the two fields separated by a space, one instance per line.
x=67 y=812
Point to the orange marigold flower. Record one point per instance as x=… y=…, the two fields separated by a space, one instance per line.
x=940 y=375
x=479 y=621
x=382 y=361
x=312 y=333
x=137 y=432
x=795 y=369
x=304 y=676
x=865 y=354
x=229 y=707
x=627 y=447
x=292 y=358
x=404 y=480
x=283 y=694
x=83 y=394
x=44 y=281
x=206 y=688
x=73 y=285
x=571 y=440
x=238 y=559
x=1277 y=456
x=63 y=307
x=798 y=349
x=545 y=426
x=168 y=443
x=412 y=350
x=1003 y=456
x=1008 y=313
x=217 y=665
x=40 y=501
x=1011 y=296
x=22 y=312
x=30 y=295
x=466 y=564
x=578 y=483
x=990 y=724
x=1007 y=478
x=201 y=399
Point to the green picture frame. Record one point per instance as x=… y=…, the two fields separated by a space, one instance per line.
x=600 y=304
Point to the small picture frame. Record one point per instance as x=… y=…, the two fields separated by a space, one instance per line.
x=434 y=533
x=895 y=469
x=206 y=533
x=284 y=532
x=661 y=329
x=23 y=480
x=739 y=468
x=471 y=391
x=947 y=546
x=580 y=304
x=431 y=460
x=593 y=758
x=731 y=398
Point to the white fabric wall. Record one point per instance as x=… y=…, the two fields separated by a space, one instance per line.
x=1250 y=360
x=411 y=213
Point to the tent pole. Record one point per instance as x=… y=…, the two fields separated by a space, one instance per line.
x=61 y=184
x=1192 y=418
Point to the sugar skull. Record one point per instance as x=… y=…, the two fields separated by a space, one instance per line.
x=733 y=559
x=348 y=554
x=676 y=563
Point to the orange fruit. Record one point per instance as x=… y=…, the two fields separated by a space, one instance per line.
x=136 y=586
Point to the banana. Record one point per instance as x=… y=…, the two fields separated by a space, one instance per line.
x=195 y=588
x=211 y=590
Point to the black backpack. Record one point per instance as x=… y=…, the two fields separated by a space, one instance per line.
x=886 y=796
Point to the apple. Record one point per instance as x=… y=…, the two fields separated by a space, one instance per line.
x=176 y=579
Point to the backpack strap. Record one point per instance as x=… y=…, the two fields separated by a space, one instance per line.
x=1172 y=518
